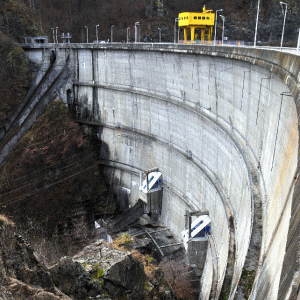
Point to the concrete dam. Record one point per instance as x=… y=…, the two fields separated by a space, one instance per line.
x=221 y=124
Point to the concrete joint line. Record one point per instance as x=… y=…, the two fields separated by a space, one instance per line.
x=191 y=109
x=204 y=169
x=114 y=164
x=202 y=112
x=187 y=107
x=258 y=271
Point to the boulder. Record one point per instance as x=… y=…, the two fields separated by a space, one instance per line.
x=71 y=278
x=120 y=274
x=125 y=277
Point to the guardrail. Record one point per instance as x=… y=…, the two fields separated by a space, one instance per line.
x=217 y=43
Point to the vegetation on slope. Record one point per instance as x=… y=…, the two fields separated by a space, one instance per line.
x=240 y=16
x=15 y=77
x=52 y=174
x=15 y=20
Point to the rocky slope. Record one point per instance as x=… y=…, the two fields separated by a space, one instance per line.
x=22 y=275
x=99 y=271
x=52 y=175
x=111 y=270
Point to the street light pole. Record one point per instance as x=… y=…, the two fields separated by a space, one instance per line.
x=139 y=32
x=258 y=4
x=176 y=20
x=216 y=22
x=97 y=32
x=159 y=35
x=223 y=19
x=283 y=3
x=112 y=33
x=53 y=35
x=87 y=34
x=56 y=34
x=135 y=31
x=128 y=34
x=298 y=43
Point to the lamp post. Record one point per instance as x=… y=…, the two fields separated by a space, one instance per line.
x=128 y=34
x=87 y=34
x=216 y=25
x=56 y=34
x=298 y=43
x=223 y=19
x=97 y=32
x=256 y=23
x=135 y=31
x=53 y=35
x=159 y=35
x=282 y=4
x=112 y=33
x=176 y=20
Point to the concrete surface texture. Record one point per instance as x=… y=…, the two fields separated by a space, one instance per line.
x=221 y=125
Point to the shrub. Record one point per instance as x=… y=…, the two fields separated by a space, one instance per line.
x=177 y=274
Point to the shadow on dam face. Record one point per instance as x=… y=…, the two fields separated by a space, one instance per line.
x=208 y=123
x=114 y=183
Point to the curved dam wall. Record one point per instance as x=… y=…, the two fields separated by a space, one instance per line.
x=220 y=124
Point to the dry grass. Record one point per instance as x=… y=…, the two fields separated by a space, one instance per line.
x=123 y=243
x=6 y=223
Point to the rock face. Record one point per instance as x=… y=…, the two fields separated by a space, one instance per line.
x=96 y=272
x=20 y=262
x=18 y=290
x=120 y=274
x=22 y=275
x=118 y=279
x=72 y=279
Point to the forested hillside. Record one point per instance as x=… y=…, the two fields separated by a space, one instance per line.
x=73 y=15
x=52 y=173
x=16 y=18
x=15 y=78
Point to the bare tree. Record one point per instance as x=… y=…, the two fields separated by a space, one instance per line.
x=177 y=273
x=80 y=232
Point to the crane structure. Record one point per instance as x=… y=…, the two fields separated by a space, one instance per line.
x=197 y=22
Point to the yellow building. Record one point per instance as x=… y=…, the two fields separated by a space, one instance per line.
x=202 y=23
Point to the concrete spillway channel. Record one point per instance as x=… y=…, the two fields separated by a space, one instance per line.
x=221 y=125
